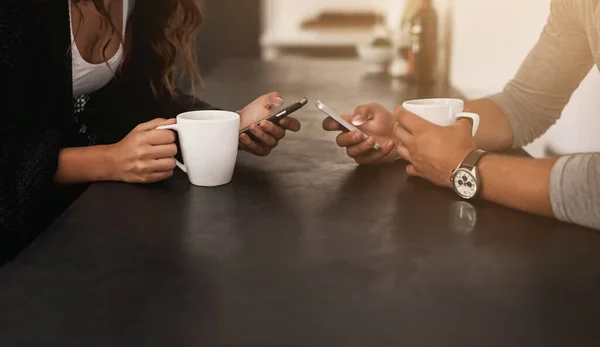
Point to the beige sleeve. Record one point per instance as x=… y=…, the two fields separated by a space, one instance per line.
x=575 y=189
x=535 y=98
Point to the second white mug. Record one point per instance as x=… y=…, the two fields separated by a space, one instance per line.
x=209 y=145
x=443 y=112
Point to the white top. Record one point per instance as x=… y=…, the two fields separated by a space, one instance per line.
x=87 y=77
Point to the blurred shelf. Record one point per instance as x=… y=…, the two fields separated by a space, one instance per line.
x=274 y=43
x=343 y=19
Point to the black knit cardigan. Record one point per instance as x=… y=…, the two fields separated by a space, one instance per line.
x=36 y=108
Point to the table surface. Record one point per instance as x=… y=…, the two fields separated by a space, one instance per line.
x=303 y=248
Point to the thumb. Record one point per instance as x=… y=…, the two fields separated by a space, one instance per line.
x=362 y=114
x=359 y=120
x=272 y=99
x=155 y=123
x=348 y=118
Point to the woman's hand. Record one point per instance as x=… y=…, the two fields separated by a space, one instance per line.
x=145 y=155
x=267 y=134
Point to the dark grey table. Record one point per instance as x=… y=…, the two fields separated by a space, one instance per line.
x=303 y=248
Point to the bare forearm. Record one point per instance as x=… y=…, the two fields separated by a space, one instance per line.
x=83 y=165
x=495 y=132
x=518 y=183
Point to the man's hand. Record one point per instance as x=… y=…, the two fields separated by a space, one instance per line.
x=434 y=151
x=267 y=133
x=375 y=121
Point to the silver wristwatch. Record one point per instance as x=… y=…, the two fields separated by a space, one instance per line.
x=465 y=178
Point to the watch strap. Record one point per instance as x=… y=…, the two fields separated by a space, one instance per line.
x=473 y=158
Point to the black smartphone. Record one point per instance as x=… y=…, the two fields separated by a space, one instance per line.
x=277 y=116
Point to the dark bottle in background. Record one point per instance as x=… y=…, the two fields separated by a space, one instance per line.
x=423 y=48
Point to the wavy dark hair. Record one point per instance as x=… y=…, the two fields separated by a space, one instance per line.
x=175 y=24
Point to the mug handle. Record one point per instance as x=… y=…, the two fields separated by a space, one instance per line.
x=472 y=116
x=174 y=128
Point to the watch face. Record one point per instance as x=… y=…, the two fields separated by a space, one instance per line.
x=464 y=184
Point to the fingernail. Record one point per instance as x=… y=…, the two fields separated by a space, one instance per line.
x=358 y=120
x=359 y=136
x=388 y=145
x=370 y=141
x=279 y=101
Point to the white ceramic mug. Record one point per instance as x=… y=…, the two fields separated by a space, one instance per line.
x=209 y=145
x=442 y=112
